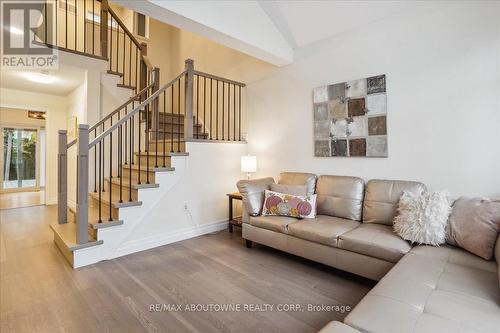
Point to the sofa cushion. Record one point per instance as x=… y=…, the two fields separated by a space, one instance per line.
x=289 y=189
x=382 y=198
x=340 y=196
x=299 y=178
x=337 y=327
x=273 y=223
x=323 y=229
x=432 y=289
x=497 y=257
x=375 y=240
x=252 y=192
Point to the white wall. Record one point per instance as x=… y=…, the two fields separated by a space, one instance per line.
x=212 y=171
x=443 y=88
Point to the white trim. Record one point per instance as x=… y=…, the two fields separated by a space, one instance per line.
x=150 y=242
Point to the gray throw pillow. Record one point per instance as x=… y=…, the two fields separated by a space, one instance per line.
x=473 y=225
x=252 y=192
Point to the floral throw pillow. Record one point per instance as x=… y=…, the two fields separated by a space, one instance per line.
x=281 y=204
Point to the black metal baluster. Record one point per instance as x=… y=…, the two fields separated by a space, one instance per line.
x=95 y=163
x=76 y=28
x=211 y=102
x=131 y=145
x=197 y=103
x=100 y=172
x=137 y=62
x=146 y=142
x=130 y=63
x=239 y=118
x=111 y=43
x=110 y=173
x=234 y=112
x=45 y=21
x=217 y=111
x=204 y=105
x=123 y=77
x=172 y=120
x=103 y=160
x=126 y=133
x=139 y=134
x=223 y=106
x=93 y=26
x=66 y=23
x=179 y=116
x=117 y=42
x=56 y=42
x=163 y=123
x=85 y=26
x=120 y=151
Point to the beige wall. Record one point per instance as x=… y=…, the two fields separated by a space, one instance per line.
x=168 y=47
x=55 y=107
x=19 y=117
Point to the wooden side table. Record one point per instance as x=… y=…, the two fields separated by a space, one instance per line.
x=232 y=220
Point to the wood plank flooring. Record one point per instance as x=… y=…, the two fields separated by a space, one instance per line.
x=21 y=199
x=40 y=292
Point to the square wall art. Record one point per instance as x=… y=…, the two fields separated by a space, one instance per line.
x=350 y=118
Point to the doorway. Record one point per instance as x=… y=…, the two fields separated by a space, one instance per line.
x=23 y=166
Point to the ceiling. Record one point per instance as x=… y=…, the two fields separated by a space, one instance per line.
x=271 y=30
x=67 y=79
x=306 y=22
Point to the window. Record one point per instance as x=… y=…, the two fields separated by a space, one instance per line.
x=141 y=25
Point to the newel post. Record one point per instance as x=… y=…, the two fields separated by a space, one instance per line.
x=62 y=178
x=188 y=95
x=155 y=77
x=82 y=184
x=104 y=28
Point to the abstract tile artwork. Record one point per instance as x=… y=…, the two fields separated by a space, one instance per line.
x=350 y=118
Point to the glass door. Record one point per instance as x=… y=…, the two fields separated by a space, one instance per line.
x=19 y=158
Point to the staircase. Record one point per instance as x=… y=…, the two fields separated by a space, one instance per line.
x=133 y=156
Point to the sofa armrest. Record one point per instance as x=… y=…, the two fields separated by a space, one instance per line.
x=252 y=192
x=497 y=257
x=338 y=327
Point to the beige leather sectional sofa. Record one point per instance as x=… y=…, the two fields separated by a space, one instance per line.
x=420 y=289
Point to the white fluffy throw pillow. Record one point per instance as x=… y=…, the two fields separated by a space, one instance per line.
x=422 y=218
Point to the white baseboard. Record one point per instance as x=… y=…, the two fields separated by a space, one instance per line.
x=167 y=238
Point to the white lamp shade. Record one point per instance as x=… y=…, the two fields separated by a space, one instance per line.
x=248 y=163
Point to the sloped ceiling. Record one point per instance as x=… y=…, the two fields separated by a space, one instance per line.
x=268 y=29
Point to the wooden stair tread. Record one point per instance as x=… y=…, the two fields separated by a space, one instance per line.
x=151 y=168
x=114 y=73
x=67 y=234
x=93 y=218
x=135 y=185
x=160 y=153
x=115 y=199
x=125 y=86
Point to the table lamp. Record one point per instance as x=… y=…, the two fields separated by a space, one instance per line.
x=248 y=164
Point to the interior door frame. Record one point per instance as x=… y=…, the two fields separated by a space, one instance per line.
x=35 y=188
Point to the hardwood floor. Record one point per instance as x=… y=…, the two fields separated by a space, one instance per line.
x=21 y=199
x=40 y=292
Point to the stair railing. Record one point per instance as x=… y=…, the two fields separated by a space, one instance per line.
x=216 y=107
x=91 y=28
x=195 y=110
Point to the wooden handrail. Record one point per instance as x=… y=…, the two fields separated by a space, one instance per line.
x=131 y=99
x=218 y=78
